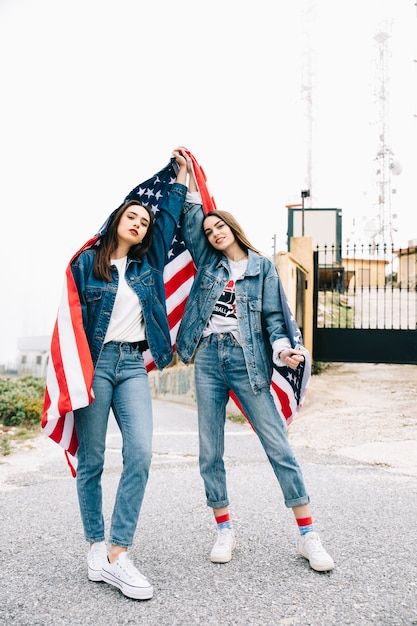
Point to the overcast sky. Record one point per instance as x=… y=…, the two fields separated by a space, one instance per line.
x=97 y=93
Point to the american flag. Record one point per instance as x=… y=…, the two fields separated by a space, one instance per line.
x=289 y=386
x=70 y=368
x=179 y=271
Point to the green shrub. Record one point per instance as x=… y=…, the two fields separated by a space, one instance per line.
x=21 y=401
x=316 y=367
x=5 y=448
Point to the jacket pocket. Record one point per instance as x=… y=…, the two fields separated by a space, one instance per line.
x=207 y=281
x=147 y=280
x=91 y=295
x=93 y=299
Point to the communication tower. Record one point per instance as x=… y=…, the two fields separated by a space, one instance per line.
x=307 y=88
x=386 y=164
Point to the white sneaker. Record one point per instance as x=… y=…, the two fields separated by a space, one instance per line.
x=224 y=546
x=96 y=558
x=124 y=575
x=309 y=546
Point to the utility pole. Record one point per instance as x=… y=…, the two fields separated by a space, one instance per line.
x=304 y=194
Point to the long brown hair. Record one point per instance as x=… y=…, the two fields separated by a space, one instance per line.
x=235 y=227
x=109 y=242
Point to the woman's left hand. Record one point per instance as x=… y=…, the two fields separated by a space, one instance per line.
x=181 y=156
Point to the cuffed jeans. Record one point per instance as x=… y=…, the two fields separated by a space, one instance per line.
x=121 y=384
x=219 y=367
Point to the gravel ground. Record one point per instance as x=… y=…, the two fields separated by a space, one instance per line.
x=366 y=412
x=356 y=440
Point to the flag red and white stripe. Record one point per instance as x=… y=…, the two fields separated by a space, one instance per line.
x=70 y=369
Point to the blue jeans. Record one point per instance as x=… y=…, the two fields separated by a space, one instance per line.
x=219 y=367
x=121 y=384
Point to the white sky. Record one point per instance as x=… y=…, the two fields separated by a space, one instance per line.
x=97 y=93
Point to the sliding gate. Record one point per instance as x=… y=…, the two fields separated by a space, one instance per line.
x=365 y=305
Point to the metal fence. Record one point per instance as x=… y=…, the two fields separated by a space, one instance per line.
x=365 y=305
x=372 y=287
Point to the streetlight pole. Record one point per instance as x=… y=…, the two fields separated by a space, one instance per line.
x=304 y=194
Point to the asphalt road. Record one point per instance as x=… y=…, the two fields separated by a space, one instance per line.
x=365 y=514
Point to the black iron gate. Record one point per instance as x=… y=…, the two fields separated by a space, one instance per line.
x=365 y=305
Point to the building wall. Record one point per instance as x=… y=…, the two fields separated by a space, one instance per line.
x=300 y=258
x=407 y=270
x=366 y=272
x=32 y=363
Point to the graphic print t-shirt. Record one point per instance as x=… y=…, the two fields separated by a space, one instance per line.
x=224 y=319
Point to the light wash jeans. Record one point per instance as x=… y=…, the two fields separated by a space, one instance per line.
x=219 y=367
x=120 y=383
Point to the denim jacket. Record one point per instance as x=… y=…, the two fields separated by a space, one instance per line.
x=146 y=279
x=258 y=305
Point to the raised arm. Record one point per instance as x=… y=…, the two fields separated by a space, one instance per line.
x=170 y=213
x=183 y=163
x=192 y=185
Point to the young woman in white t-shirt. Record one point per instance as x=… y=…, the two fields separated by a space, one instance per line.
x=122 y=296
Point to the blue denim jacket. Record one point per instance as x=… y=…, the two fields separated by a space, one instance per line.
x=146 y=279
x=258 y=304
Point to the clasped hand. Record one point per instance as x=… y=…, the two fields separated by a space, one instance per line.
x=292 y=358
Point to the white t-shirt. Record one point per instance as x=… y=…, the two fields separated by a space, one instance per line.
x=224 y=319
x=126 y=322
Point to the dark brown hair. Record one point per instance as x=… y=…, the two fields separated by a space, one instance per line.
x=109 y=242
x=235 y=227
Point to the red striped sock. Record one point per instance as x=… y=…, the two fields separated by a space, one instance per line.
x=223 y=521
x=305 y=525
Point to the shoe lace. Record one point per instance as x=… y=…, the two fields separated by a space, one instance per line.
x=129 y=569
x=224 y=536
x=314 y=545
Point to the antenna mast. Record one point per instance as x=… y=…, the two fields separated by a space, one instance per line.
x=307 y=80
x=384 y=158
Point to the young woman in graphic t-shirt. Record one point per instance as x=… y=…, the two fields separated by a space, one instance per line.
x=234 y=328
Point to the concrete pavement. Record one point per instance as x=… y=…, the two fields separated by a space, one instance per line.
x=365 y=515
